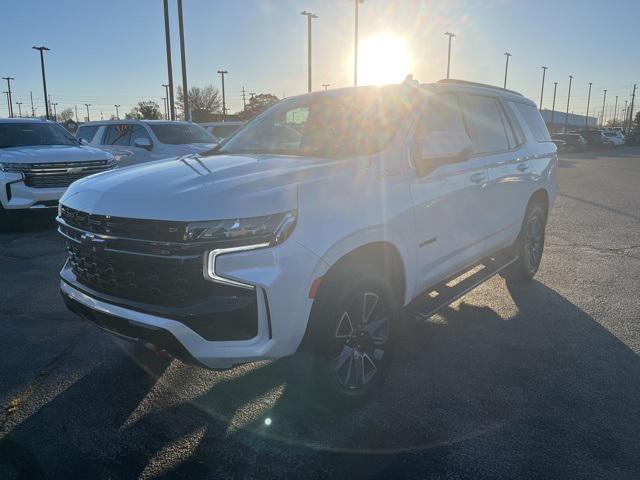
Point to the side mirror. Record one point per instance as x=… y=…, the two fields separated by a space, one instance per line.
x=83 y=141
x=441 y=148
x=142 y=142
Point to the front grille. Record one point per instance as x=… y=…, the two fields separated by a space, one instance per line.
x=156 y=230
x=54 y=175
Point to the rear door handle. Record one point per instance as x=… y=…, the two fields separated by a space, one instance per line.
x=478 y=177
x=523 y=166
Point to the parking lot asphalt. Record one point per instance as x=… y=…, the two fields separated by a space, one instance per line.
x=536 y=382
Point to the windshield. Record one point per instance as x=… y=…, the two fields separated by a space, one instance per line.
x=338 y=125
x=33 y=134
x=179 y=134
x=224 y=131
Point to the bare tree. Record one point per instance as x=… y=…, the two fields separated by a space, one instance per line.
x=147 y=110
x=204 y=102
x=64 y=115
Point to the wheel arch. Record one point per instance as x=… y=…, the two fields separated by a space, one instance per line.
x=540 y=196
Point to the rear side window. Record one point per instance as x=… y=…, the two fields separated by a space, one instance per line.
x=534 y=121
x=87 y=133
x=485 y=122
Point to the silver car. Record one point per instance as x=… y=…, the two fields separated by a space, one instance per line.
x=139 y=141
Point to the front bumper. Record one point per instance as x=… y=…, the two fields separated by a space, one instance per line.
x=281 y=276
x=15 y=195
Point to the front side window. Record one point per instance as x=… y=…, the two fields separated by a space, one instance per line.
x=118 y=134
x=488 y=134
x=138 y=131
x=336 y=125
x=181 y=133
x=87 y=133
x=34 y=134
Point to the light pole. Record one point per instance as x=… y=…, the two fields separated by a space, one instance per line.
x=309 y=16
x=19 y=109
x=8 y=79
x=615 y=112
x=166 y=112
x=42 y=49
x=553 y=107
x=506 y=68
x=586 y=120
x=544 y=72
x=117 y=112
x=185 y=89
x=33 y=110
x=224 y=102
x=87 y=105
x=355 y=48
x=167 y=35
x=55 y=112
x=604 y=102
x=326 y=85
x=450 y=35
x=566 y=116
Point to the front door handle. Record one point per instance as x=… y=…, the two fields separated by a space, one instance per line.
x=523 y=166
x=478 y=177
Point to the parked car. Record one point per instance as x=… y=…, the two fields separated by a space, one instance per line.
x=271 y=245
x=595 y=138
x=561 y=145
x=573 y=141
x=140 y=141
x=39 y=160
x=221 y=130
x=616 y=138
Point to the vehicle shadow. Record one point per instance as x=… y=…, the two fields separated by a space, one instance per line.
x=547 y=393
x=24 y=222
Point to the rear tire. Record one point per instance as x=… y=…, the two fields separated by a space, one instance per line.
x=529 y=246
x=350 y=340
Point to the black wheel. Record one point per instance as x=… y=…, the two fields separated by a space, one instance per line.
x=528 y=247
x=349 y=343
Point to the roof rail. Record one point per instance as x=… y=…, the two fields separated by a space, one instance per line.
x=476 y=84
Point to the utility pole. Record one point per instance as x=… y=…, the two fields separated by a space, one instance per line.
x=33 y=110
x=355 y=49
x=566 y=117
x=586 y=120
x=309 y=16
x=55 y=112
x=553 y=108
x=166 y=94
x=117 y=111
x=75 y=107
x=185 y=88
x=166 y=112
x=326 y=85
x=604 y=101
x=8 y=79
x=633 y=98
x=615 y=112
x=167 y=35
x=19 y=109
x=244 y=99
x=450 y=35
x=224 y=102
x=42 y=49
x=544 y=72
x=506 y=69
x=87 y=105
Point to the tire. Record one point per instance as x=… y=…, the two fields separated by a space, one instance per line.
x=350 y=340
x=529 y=246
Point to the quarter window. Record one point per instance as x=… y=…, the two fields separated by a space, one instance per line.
x=534 y=121
x=486 y=127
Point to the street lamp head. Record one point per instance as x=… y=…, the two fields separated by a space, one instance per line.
x=544 y=68
x=223 y=71
x=308 y=14
x=451 y=34
x=41 y=48
x=507 y=54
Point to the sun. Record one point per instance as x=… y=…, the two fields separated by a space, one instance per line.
x=382 y=59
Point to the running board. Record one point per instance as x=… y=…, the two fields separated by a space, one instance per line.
x=443 y=294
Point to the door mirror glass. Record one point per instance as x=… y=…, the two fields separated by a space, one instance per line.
x=142 y=142
x=441 y=148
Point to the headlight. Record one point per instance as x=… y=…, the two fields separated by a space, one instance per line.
x=14 y=167
x=240 y=234
x=270 y=229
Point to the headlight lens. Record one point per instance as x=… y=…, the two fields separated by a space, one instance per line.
x=271 y=229
x=14 y=167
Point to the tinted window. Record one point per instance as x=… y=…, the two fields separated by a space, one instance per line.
x=87 y=133
x=534 y=121
x=118 y=134
x=181 y=133
x=27 y=134
x=485 y=123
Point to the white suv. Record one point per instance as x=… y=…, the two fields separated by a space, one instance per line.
x=311 y=228
x=39 y=160
x=139 y=141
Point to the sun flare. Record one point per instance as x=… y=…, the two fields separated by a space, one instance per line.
x=383 y=59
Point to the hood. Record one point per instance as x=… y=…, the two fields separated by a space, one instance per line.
x=194 y=188
x=52 y=154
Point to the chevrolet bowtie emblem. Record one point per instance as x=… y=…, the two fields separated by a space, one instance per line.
x=74 y=170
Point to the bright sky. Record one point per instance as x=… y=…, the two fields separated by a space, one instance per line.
x=108 y=52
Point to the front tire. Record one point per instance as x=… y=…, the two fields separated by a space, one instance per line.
x=529 y=246
x=350 y=340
